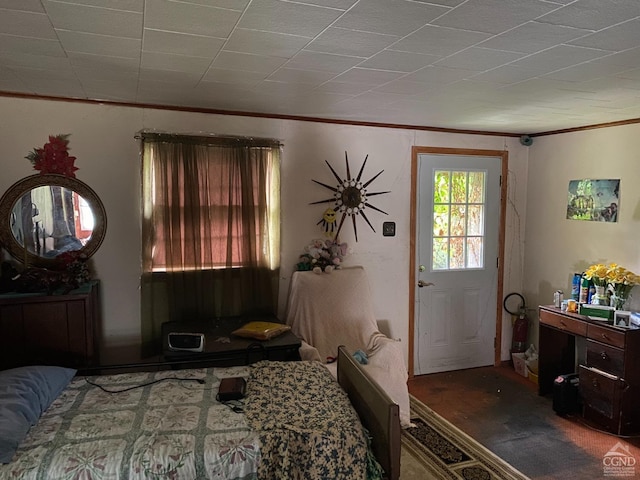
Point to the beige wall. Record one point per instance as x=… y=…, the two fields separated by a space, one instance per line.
x=557 y=247
x=102 y=139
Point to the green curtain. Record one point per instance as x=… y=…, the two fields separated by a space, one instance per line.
x=210 y=230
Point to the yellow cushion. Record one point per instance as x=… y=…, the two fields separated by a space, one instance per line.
x=261 y=330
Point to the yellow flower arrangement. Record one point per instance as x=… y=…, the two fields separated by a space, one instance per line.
x=598 y=273
x=619 y=280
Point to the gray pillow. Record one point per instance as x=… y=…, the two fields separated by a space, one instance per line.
x=25 y=393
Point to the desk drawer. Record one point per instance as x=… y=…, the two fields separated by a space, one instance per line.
x=600 y=392
x=606 y=358
x=606 y=335
x=561 y=322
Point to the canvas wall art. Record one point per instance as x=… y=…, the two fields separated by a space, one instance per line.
x=593 y=200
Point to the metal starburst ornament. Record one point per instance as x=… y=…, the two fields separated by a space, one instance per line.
x=350 y=196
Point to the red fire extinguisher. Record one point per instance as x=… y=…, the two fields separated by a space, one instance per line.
x=520 y=323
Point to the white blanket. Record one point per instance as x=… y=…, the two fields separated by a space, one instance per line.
x=329 y=310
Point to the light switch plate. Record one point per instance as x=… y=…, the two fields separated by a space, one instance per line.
x=389 y=229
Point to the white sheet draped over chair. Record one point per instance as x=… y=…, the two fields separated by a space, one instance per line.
x=328 y=310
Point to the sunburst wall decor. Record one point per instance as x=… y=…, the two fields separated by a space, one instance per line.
x=350 y=196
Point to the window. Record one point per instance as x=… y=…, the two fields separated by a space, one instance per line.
x=458 y=220
x=212 y=208
x=210 y=228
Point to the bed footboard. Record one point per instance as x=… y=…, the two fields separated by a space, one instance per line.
x=378 y=413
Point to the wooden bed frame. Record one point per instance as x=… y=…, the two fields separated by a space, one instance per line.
x=378 y=413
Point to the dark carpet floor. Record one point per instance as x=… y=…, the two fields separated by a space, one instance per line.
x=504 y=412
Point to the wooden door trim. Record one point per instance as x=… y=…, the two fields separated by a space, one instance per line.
x=504 y=156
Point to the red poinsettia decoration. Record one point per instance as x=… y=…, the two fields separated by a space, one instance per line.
x=54 y=157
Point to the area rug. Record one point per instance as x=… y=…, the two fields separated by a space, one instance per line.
x=446 y=452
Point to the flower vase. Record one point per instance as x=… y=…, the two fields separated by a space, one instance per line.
x=600 y=297
x=618 y=302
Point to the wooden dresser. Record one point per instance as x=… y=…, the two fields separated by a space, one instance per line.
x=50 y=329
x=607 y=359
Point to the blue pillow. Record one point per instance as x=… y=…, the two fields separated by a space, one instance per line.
x=25 y=393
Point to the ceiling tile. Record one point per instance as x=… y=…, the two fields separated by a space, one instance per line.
x=616 y=39
x=401 y=87
x=440 y=41
x=237 y=5
x=399 y=61
x=494 y=16
x=104 y=65
x=103 y=21
x=288 y=17
x=325 y=62
x=120 y=90
x=190 y=18
x=341 y=4
x=438 y=75
x=221 y=75
x=629 y=58
x=593 y=14
x=247 y=62
x=532 y=37
x=479 y=59
x=558 y=57
x=372 y=16
x=99 y=44
x=86 y=74
x=176 y=78
x=368 y=76
x=586 y=71
x=128 y=5
x=294 y=75
x=26 y=24
x=265 y=43
x=343 y=87
x=44 y=62
x=348 y=42
x=16 y=46
x=505 y=74
x=181 y=43
x=176 y=63
x=23 y=5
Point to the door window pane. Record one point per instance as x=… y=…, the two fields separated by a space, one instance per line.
x=458 y=219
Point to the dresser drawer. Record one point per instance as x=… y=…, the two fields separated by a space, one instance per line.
x=561 y=322
x=600 y=393
x=606 y=335
x=606 y=358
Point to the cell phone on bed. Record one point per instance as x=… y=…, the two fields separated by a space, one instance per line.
x=232 y=388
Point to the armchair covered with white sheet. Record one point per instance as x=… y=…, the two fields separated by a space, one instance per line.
x=329 y=310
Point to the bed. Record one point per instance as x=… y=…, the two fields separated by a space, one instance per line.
x=296 y=421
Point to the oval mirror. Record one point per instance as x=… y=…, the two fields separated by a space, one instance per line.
x=44 y=216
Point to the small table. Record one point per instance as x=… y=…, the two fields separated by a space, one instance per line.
x=223 y=349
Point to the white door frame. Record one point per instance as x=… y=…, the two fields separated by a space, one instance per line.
x=413 y=240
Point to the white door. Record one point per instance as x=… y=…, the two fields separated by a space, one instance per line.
x=458 y=218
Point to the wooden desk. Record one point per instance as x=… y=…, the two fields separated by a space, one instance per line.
x=607 y=359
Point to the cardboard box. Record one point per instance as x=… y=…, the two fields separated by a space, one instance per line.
x=598 y=311
x=519 y=363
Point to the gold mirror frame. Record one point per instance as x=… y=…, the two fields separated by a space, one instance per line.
x=26 y=185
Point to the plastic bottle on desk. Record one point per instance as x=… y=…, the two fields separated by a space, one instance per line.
x=584 y=290
x=575 y=286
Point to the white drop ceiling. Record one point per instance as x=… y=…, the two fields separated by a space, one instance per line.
x=512 y=66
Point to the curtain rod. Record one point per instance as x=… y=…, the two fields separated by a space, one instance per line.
x=210 y=139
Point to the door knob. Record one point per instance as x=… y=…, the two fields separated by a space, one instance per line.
x=422 y=283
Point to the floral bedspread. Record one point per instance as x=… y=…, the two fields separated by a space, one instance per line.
x=295 y=422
